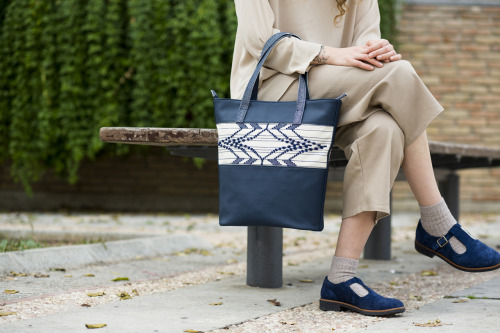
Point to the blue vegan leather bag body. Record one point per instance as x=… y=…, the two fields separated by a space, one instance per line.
x=273 y=156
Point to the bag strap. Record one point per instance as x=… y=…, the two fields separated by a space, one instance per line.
x=266 y=50
x=252 y=86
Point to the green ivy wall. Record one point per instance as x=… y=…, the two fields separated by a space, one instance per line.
x=69 y=67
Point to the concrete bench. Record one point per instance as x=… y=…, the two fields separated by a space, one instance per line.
x=265 y=244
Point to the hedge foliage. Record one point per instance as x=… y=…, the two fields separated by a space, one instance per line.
x=69 y=67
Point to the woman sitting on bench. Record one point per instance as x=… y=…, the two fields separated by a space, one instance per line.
x=381 y=128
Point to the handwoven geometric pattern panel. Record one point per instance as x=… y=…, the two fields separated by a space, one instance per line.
x=274 y=144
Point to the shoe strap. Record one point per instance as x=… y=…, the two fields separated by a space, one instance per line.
x=358 y=281
x=456 y=230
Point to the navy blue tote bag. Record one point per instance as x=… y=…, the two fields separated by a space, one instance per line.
x=273 y=156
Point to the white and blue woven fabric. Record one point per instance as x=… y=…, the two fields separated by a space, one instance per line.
x=273 y=156
x=274 y=144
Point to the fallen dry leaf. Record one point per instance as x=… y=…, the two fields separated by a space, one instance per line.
x=306 y=281
x=274 y=302
x=462 y=300
x=8 y=291
x=428 y=273
x=430 y=323
x=298 y=240
x=39 y=275
x=288 y=322
x=95 y=325
x=416 y=297
x=193 y=331
x=58 y=269
x=85 y=305
x=219 y=303
x=193 y=251
x=124 y=296
x=120 y=279
x=100 y=293
x=4 y=314
x=89 y=275
x=68 y=275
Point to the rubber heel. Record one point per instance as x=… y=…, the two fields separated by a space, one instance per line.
x=330 y=306
x=423 y=250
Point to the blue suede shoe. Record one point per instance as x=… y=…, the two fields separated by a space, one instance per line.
x=341 y=297
x=477 y=258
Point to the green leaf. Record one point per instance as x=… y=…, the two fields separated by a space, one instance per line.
x=95 y=325
x=121 y=279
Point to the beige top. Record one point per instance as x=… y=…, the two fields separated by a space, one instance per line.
x=311 y=20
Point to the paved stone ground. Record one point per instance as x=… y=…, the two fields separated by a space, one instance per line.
x=199 y=282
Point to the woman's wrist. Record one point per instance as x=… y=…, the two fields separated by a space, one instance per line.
x=321 y=58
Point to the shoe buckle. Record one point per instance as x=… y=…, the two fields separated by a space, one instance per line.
x=443 y=244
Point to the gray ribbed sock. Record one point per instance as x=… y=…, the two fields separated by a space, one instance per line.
x=437 y=220
x=343 y=269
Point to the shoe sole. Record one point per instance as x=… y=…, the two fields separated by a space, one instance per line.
x=430 y=253
x=328 y=305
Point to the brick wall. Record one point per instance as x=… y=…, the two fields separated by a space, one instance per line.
x=156 y=182
x=455 y=48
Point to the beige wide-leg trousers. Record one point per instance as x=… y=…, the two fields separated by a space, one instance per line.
x=385 y=110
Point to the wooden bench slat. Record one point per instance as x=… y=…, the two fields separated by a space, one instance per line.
x=208 y=137
x=448 y=148
x=160 y=136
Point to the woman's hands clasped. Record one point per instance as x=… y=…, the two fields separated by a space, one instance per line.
x=373 y=54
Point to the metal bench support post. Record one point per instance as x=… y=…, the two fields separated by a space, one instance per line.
x=265 y=257
x=378 y=245
x=450 y=190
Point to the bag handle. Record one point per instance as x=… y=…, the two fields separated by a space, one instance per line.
x=252 y=86
x=266 y=50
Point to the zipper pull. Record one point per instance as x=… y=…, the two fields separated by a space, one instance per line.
x=342 y=96
x=214 y=94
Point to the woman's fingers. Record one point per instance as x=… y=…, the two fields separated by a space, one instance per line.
x=370 y=42
x=372 y=61
x=396 y=57
x=383 y=50
x=377 y=45
x=363 y=65
x=386 y=56
x=362 y=60
x=359 y=56
x=391 y=56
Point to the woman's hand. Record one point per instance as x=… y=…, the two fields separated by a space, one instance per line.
x=373 y=53
x=382 y=50
x=355 y=56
